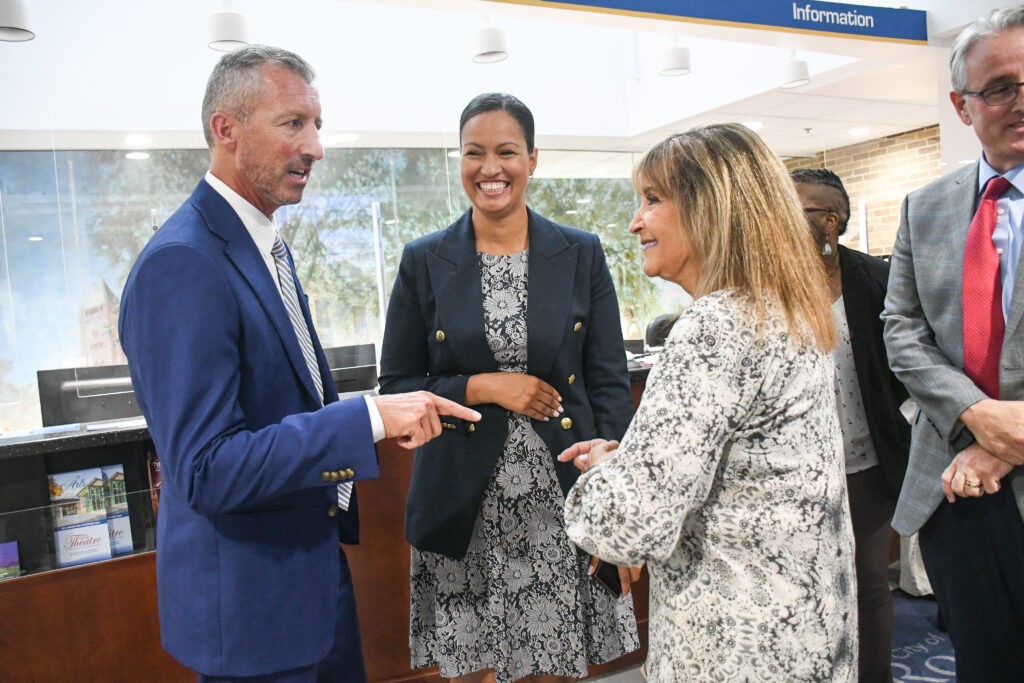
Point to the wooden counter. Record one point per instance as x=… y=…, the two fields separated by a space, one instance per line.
x=98 y=622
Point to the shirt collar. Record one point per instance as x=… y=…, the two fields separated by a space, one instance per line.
x=263 y=230
x=986 y=173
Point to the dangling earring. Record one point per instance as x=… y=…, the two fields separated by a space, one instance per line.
x=826 y=250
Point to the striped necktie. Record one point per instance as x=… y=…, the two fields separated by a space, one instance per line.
x=286 y=278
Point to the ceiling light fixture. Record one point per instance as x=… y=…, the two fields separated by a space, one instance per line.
x=675 y=61
x=336 y=139
x=229 y=30
x=15 y=21
x=795 y=72
x=489 y=45
x=137 y=156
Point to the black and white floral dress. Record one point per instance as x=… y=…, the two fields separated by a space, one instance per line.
x=520 y=602
x=729 y=483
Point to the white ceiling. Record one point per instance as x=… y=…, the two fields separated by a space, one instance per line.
x=398 y=72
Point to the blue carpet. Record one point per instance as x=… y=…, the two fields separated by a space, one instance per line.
x=920 y=651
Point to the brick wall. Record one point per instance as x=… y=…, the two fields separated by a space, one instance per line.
x=880 y=173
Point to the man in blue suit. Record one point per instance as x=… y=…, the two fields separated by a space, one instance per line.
x=231 y=377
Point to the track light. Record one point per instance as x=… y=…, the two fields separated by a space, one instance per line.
x=489 y=45
x=675 y=61
x=15 y=21
x=795 y=73
x=228 y=31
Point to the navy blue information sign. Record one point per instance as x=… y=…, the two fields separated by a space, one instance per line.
x=855 y=21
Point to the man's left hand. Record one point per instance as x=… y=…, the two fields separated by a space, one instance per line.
x=973 y=473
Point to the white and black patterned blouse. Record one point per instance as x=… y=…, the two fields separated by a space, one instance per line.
x=729 y=484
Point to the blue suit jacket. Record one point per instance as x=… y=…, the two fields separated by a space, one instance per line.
x=574 y=343
x=247 y=539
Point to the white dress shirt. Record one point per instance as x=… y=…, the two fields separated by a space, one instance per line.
x=264 y=232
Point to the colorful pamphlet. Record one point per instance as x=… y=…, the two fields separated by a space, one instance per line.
x=78 y=502
x=10 y=566
x=155 y=479
x=118 y=524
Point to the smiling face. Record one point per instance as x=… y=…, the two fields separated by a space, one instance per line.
x=496 y=164
x=995 y=60
x=276 y=146
x=668 y=250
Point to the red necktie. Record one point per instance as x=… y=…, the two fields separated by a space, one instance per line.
x=983 y=294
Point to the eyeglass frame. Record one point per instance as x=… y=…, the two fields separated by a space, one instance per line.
x=815 y=209
x=985 y=93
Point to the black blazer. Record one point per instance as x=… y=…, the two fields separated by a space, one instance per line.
x=434 y=340
x=865 y=279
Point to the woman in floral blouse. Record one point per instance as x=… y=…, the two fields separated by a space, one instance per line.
x=729 y=481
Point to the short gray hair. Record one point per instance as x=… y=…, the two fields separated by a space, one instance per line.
x=236 y=81
x=997 y=21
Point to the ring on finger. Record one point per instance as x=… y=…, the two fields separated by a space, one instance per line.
x=972 y=484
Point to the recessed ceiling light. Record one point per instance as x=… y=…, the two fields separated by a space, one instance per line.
x=454 y=154
x=35 y=238
x=612 y=225
x=859 y=132
x=331 y=139
x=754 y=125
x=137 y=156
x=571 y=212
x=391 y=221
x=584 y=200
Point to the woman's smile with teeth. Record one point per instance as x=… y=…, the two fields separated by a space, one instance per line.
x=493 y=186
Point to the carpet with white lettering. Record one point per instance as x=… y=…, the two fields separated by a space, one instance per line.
x=920 y=651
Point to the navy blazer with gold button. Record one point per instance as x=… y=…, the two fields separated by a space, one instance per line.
x=435 y=340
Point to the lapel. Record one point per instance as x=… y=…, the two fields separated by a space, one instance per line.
x=454 y=276
x=961 y=205
x=858 y=315
x=241 y=251
x=550 y=293
x=1016 y=313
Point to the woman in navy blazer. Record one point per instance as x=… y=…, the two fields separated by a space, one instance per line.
x=517 y=316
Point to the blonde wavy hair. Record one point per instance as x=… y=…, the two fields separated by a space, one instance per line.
x=737 y=202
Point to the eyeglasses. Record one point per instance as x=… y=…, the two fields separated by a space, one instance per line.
x=1004 y=93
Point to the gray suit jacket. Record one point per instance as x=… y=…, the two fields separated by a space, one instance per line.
x=924 y=338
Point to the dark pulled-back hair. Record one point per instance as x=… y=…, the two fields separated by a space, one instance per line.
x=498 y=101
x=826 y=178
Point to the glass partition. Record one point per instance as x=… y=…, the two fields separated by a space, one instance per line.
x=41 y=539
x=72 y=223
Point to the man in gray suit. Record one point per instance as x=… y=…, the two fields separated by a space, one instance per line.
x=957 y=342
